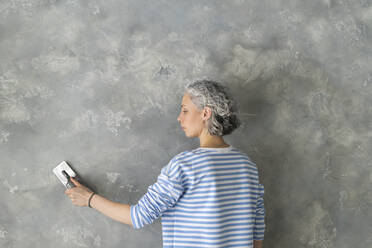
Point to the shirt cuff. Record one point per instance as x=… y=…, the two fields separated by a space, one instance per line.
x=134 y=217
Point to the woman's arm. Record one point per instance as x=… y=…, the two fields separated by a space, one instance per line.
x=80 y=195
x=117 y=211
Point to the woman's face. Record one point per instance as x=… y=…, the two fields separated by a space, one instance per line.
x=191 y=118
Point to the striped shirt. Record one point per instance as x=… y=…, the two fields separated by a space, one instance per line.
x=207 y=197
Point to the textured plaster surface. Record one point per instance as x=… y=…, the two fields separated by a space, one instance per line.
x=99 y=84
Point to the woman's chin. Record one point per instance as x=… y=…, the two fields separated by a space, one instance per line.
x=186 y=134
x=190 y=135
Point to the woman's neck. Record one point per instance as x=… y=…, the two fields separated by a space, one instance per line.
x=207 y=140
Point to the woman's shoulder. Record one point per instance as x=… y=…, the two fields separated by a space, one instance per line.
x=196 y=153
x=182 y=155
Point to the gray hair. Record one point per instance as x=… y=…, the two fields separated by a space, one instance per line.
x=206 y=93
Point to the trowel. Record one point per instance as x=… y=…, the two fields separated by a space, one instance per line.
x=64 y=173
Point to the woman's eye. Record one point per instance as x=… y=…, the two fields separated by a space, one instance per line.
x=184 y=111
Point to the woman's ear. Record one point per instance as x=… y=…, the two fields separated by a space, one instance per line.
x=207 y=113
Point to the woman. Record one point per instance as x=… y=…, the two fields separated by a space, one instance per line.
x=207 y=197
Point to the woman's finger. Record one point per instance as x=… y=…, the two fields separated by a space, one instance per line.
x=75 y=181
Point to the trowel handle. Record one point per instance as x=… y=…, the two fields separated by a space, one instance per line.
x=69 y=183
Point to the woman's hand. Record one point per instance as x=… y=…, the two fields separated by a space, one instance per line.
x=79 y=195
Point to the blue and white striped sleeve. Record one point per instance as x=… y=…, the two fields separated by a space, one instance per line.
x=160 y=196
x=259 y=226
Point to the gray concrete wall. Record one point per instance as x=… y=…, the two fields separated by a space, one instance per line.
x=99 y=84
